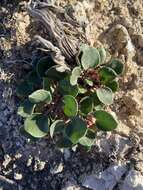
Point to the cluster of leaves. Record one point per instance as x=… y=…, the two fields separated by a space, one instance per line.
x=70 y=103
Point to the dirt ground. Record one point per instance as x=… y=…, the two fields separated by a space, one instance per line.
x=118 y=26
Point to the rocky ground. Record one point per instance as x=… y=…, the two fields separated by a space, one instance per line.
x=116 y=162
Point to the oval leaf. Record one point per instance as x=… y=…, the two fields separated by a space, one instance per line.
x=86 y=105
x=82 y=90
x=57 y=126
x=76 y=129
x=70 y=106
x=98 y=105
x=47 y=85
x=113 y=85
x=102 y=53
x=85 y=141
x=95 y=99
x=66 y=88
x=76 y=72
x=43 y=65
x=89 y=139
x=57 y=72
x=105 y=95
x=105 y=121
x=107 y=74
x=90 y=58
x=26 y=108
x=37 y=125
x=40 y=96
x=117 y=66
x=82 y=48
x=27 y=135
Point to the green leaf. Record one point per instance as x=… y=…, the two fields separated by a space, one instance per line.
x=85 y=141
x=57 y=126
x=86 y=105
x=66 y=88
x=47 y=85
x=117 y=66
x=40 y=96
x=105 y=95
x=70 y=106
x=37 y=125
x=95 y=99
x=81 y=90
x=24 y=89
x=64 y=142
x=57 y=72
x=105 y=121
x=113 y=85
x=26 y=109
x=27 y=135
x=43 y=65
x=98 y=105
x=82 y=48
x=76 y=72
x=90 y=58
x=88 y=140
x=76 y=129
x=107 y=74
x=102 y=53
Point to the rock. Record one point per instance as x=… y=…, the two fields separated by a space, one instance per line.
x=107 y=180
x=133 y=181
x=117 y=144
x=122 y=41
x=121 y=144
x=57 y=169
x=119 y=38
x=7 y=160
x=94 y=183
x=104 y=144
x=17 y=176
x=29 y=161
x=139 y=165
x=132 y=101
x=39 y=165
x=71 y=186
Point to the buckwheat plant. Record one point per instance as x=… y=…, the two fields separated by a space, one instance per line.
x=70 y=103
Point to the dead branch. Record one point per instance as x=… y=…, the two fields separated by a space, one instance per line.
x=62 y=34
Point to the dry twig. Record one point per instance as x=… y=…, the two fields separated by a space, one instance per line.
x=63 y=34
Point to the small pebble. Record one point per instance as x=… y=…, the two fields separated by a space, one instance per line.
x=17 y=176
